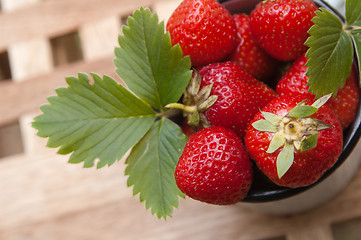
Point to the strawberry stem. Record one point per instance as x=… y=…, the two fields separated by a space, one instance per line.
x=190 y=109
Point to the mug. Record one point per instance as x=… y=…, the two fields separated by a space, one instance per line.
x=266 y=196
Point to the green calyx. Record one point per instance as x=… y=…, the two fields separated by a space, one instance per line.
x=296 y=130
x=196 y=101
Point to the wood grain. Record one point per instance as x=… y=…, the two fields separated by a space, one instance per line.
x=45 y=198
x=65 y=201
x=26 y=96
x=52 y=18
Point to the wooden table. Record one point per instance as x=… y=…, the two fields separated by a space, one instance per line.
x=44 y=197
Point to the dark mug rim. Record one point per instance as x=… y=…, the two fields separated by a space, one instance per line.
x=271 y=191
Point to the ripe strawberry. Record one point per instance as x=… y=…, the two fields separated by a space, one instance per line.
x=292 y=148
x=204 y=29
x=189 y=130
x=240 y=96
x=280 y=26
x=248 y=54
x=214 y=167
x=344 y=104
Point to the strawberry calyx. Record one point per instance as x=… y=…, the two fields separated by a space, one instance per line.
x=195 y=101
x=296 y=130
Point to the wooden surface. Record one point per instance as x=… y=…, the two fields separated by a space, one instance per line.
x=44 y=198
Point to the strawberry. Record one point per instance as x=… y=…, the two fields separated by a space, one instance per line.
x=294 y=143
x=345 y=102
x=189 y=130
x=240 y=96
x=204 y=29
x=214 y=167
x=281 y=27
x=248 y=54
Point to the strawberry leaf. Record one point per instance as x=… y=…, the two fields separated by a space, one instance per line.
x=104 y=120
x=151 y=67
x=151 y=166
x=330 y=54
x=356 y=38
x=353 y=18
x=100 y=121
x=353 y=10
x=285 y=159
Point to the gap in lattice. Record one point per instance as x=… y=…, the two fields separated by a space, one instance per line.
x=66 y=49
x=124 y=18
x=275 y=238
x=347 y=230
x=11 y=142
x=5 y=72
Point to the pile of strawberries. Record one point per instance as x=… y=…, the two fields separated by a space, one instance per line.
x=248 y=101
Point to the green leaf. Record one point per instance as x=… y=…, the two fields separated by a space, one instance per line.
x=330 y=54
x=302 y=111
x=151 y=67
x=151 y=166
x=277 y=141
x=353 y=19
x=264 y=125
x=272 y=118
x=356 y=38
x=309 y=143
x=100 y=121
x=321 y=101
x=353 y=12
x=285 y=159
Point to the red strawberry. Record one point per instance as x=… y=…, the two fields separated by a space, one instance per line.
x=204 y=29
x=248 y=54
x=292 y=148
x=189 y=130
x=240 y=96
x=280 y=26
x=214 y=167
x=344 y=104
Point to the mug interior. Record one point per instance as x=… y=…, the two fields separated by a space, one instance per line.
x=263 y=190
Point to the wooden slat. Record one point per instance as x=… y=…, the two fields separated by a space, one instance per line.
x=44 y=197
x=11 y=5
x=30 y=58
x=98 y=39
x=26 y=96
x=53 y=17
x=64 y=201
x=311 y=232
x=48 y=187
x=99 y=200
x=164 y=9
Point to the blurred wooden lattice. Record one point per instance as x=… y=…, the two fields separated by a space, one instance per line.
x=44 y=197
